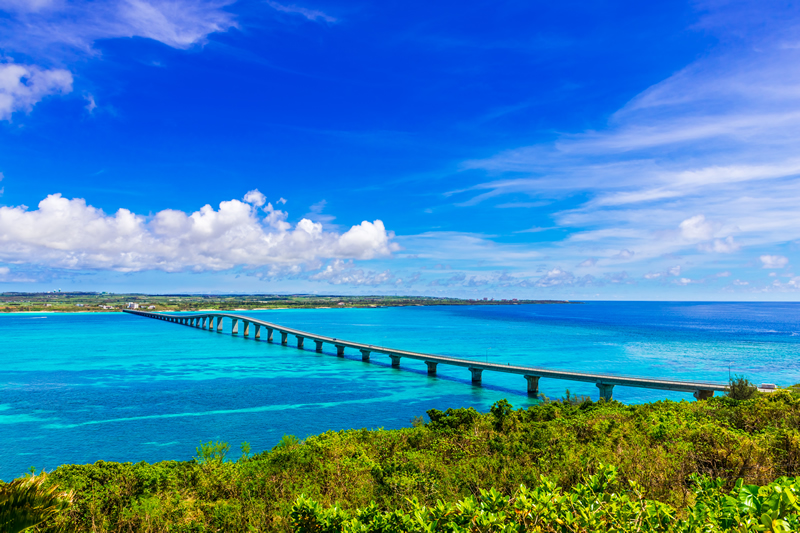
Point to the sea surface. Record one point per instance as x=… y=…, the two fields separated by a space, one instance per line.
x=78 y=388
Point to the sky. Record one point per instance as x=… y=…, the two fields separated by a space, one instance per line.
x=548 y=150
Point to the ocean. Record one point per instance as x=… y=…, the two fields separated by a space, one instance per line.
x=84 y=387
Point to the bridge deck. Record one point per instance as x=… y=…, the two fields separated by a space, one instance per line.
x=590 y=377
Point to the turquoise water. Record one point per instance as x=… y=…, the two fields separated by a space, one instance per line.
x=78 y=388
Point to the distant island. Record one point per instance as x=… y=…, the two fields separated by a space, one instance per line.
x=16 y=302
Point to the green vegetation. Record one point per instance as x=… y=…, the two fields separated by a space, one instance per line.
x=601 y=503
x=596 y=465
x=26 y=502
x=741 y=389
x=104 y=302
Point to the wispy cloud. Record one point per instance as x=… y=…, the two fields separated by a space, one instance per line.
x=701 y=164
x=52 y=26
x=56 y=32
x=310 y=14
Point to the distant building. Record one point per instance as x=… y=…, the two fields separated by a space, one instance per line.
x=78 y=305
x=341 y=303
x=132 y=305
x=151 y=306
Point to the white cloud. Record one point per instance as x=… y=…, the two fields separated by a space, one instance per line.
x=740 y=283
x=623 y=254
x=70 y=234
x=673 y=271
x=696 y=228
x=22 y=86
x=54 y=31
x=774 y=261
x=592 y=261
x=555 y=277
x=345 y=273
x=255 y=197
x=310 y=14
x=721 y=246
x=653 y=175
x=91 y=105
x=77 y=25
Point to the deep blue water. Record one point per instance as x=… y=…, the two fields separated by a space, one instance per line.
x=78 y=388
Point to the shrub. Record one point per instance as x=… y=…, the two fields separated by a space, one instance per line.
x=741 y=389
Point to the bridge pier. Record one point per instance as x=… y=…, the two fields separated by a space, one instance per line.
x=235 y=327
x=605 y=391
x=533 y=385
x=319 y=346
x=300 y=341
x=431 y=367
x=211 y=323
x=219 y=324
x=205 y=321
x=269 y=334
x=257 y=334
x=476 y=375
x=703 y=394
x=395 y=360
x=365 y=355
x=340 y=350
x=246 y=328
x=284 y=338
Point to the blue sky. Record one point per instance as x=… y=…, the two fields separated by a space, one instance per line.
x=580 y=150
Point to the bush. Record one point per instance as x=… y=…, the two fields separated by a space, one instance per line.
x=600 y=503
x=741 y=389
x=662 y=449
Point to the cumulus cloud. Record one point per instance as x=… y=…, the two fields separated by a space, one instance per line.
x=673 y=271
x=255 y=197
x=555 y=277
x=71 y=234
x=592 y=261
x=721 y=246
x=22 y=86
x=696 y=228
x=773 y=261
x=623 y=254
x=345 y=273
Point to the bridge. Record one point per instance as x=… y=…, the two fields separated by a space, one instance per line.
x=214 y=321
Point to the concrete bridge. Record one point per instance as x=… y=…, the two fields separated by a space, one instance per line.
x=214 y=321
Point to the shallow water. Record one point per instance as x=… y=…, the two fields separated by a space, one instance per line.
x=77 y=388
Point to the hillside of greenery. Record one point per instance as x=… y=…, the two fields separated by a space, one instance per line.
x=569 y=465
